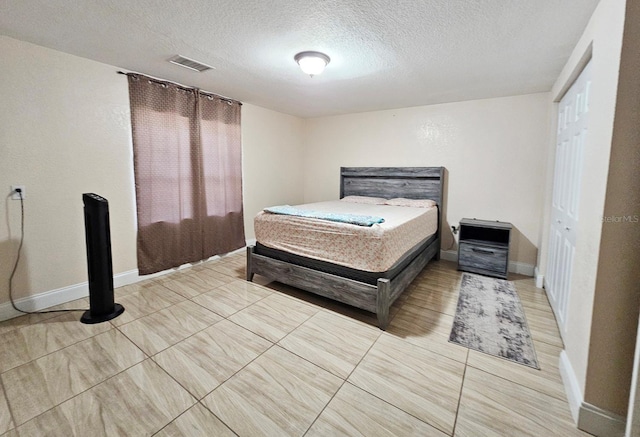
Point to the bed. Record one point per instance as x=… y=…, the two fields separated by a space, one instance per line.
x=372 y=291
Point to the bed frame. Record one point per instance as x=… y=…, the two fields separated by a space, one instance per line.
x=387 y=182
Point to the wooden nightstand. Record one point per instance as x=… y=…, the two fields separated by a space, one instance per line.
x=484 y=247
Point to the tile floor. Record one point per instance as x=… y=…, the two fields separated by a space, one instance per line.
x=201 y=352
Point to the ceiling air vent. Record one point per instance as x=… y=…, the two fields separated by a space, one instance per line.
x=189 y=63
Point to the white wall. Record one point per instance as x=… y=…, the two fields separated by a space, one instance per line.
x=271 y=161
x=65 y=131
x=616 y=299
x=493 y=150
x=603 y=38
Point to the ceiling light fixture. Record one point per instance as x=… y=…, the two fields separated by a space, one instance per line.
x=312 y=63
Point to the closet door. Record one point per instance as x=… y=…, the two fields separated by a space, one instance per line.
x=573 y=114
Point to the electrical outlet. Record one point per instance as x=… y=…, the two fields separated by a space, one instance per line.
x=14 y=193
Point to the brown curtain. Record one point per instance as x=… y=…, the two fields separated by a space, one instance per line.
x=188 y=173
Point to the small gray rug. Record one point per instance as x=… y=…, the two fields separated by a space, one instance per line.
x=490 y=319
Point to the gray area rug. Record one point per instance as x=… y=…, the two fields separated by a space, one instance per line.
x=490 y=319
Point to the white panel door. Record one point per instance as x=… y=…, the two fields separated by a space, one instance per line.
x=573 y=115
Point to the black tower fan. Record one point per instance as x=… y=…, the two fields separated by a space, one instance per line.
x=98 y=236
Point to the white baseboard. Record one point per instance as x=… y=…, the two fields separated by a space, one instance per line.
x=588 y=417
x=514 y=266
x=538 y=277
x=521 y=268
x=571 y=385
x=601 y=423
x=449 y=255
x=62 y=295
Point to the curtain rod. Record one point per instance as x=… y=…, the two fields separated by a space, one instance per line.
x=186 y=88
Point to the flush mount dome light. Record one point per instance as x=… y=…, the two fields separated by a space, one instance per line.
x=312 y=63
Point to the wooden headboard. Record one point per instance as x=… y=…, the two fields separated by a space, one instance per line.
x=390 y=182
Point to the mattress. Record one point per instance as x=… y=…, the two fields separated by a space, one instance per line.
x=366 y=248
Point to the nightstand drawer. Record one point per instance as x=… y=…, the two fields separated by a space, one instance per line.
x=490 y=259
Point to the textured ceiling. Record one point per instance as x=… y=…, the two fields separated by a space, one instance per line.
x=384 y=54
